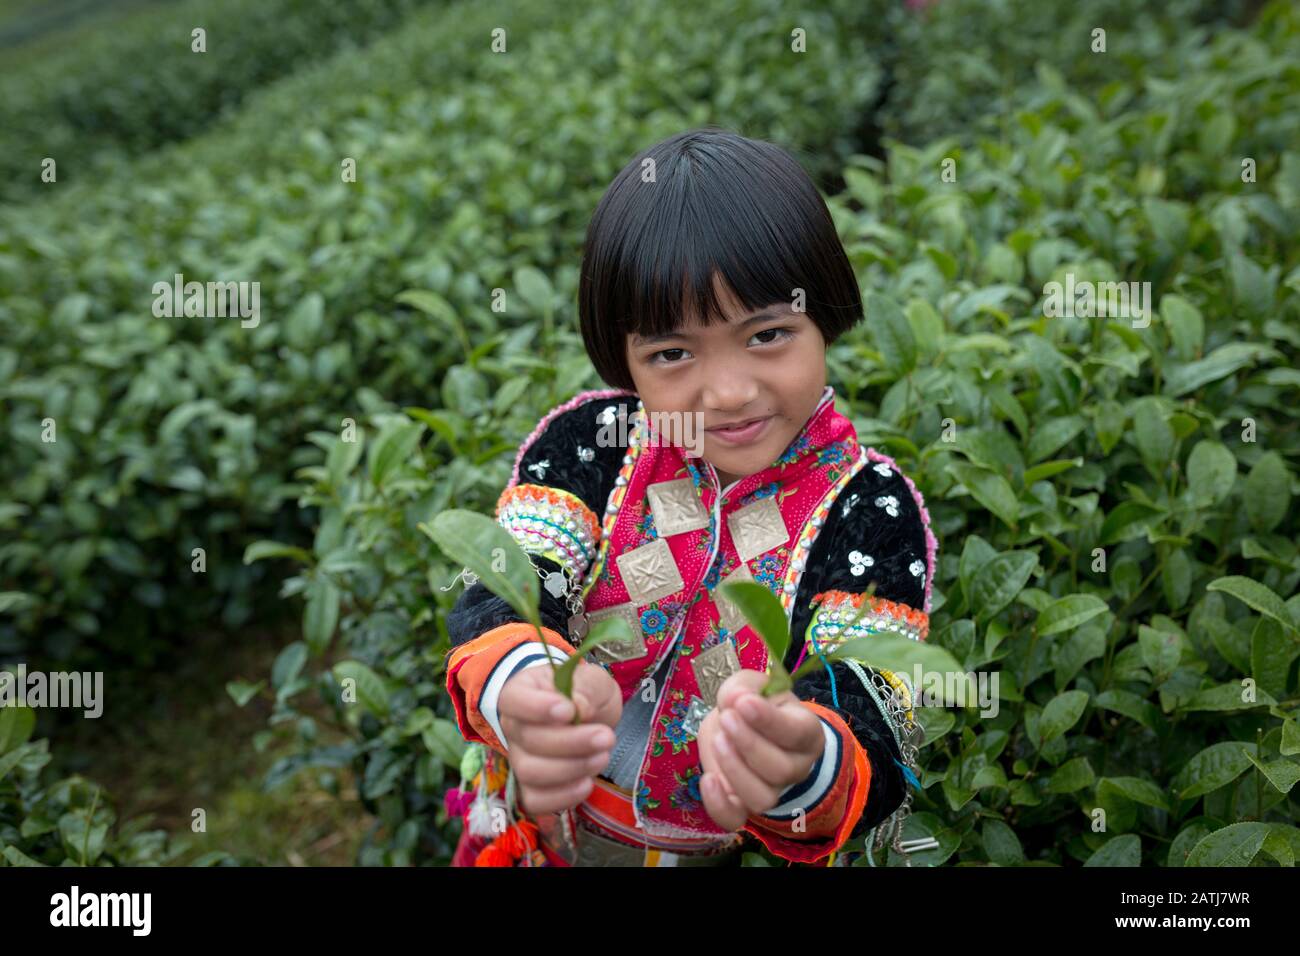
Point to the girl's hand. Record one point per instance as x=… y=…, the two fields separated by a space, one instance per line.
x=555 y=760
x=753 y=747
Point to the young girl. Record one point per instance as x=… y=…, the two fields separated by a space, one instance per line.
x=712 y=282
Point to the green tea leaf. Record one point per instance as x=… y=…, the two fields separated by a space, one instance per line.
x=1268 y=492
x=1215 y=766
x=1283 y=774
x=763 y=611
x=1061 y=713
x=609 y=630
x=893 y=652
x=998 y=582
x=1122 y=850
x=241 y=691
x=1255 y=595
x=1234 y=845
x=892 y=333
x=1211 y=471
x=1069 y=612
x=392 y=447
x=370 y=689
x=482 y=545
x=991 y=490
x=262 y=550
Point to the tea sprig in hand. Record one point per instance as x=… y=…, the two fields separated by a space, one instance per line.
x=892 y=652
x=491 y=552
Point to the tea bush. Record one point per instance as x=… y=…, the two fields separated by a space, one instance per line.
x=1115 y=546
x=67 y=822
x=1114 y=499
x=184 y=433
x=959 y=66
x=130 y=83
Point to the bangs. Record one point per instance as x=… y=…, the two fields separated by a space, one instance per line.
x=667 y=278
x=717 y=204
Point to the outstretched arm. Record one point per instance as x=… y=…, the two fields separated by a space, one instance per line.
x=878 y=535
x=553 y=506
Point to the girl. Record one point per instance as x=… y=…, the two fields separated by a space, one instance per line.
x=712 y=282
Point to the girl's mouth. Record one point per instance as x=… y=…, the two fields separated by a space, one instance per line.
x=743 y=435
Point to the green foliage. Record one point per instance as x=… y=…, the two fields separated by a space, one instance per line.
x=381 y=388
x=188 y=432
x=132 y=83
x=1112 y=496
x=64 y=823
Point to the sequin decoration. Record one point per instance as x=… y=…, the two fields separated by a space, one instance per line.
x=551 y=523
x=834 y=612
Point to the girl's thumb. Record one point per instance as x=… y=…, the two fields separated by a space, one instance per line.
x=583 y=705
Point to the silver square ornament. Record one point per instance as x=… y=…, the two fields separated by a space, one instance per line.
x=649 y=572
x=712 y=668
x=757 y=528
x=695 y=715
x=612 y=651
x=676 y=507
x=729 y=615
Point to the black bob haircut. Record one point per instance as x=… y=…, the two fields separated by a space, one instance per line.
x=720 y=202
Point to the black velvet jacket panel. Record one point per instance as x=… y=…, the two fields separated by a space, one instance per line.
x=895 y=543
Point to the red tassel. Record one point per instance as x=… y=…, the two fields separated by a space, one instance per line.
x=520 y=839
x=493 y=855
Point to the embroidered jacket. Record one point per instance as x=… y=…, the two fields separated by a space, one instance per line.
x=650 y=534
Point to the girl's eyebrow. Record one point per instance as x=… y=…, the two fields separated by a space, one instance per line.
x=752 y=320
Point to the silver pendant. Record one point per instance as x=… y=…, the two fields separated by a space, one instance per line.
x=555 y=584
x=676 y=507
x=695 y=715
x=729 y=615
x=616 y=651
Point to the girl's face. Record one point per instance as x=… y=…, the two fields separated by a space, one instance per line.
x=768 y=365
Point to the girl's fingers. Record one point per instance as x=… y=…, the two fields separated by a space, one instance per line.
x=753 y=792
x=723 y=811
x=553 y=799
x=770 y=763
x=555 y=771
x=563 y=740
x=790 y=725
x=532 y=705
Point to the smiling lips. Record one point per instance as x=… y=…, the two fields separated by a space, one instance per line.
x=735 y=426
x=741 y=434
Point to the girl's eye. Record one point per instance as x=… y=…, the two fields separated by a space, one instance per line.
x=781 y=335
x=656 y=360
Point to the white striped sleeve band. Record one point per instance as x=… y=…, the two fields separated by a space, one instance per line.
x=532 y=654
x=807 y=793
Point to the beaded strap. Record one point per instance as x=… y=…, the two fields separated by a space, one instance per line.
x=840 y=615
x=551 y=523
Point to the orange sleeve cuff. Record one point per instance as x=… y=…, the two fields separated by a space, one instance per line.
x=471 y=665
x=817 y=834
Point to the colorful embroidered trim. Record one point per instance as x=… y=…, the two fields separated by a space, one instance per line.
x=621 y=482
x=808 y=536
x=834 y=610
x=551 y=523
